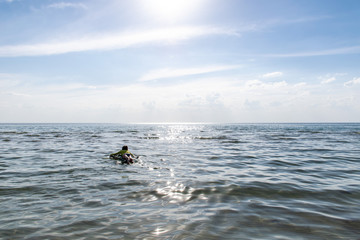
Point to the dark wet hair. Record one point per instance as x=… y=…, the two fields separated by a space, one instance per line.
x=125 y=148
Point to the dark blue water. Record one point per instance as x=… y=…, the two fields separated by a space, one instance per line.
x=241 y=181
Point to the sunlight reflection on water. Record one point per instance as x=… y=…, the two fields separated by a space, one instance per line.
x=175 y=192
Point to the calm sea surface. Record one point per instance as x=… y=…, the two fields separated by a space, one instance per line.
x=240 y=181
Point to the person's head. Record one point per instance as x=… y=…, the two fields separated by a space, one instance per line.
x=125 y=148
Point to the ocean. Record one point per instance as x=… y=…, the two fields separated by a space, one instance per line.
x=191 y=181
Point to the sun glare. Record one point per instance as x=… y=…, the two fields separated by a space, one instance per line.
x=171 y=11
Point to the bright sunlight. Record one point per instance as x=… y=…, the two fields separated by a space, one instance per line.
x=172 y=11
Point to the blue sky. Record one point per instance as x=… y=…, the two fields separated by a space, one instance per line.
x=180 y=61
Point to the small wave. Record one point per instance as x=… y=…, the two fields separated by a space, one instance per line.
x=18 y=232
x=33 y=135
x=263 y=190
x=149 y=137
x=116 y=185
x=234 y=141
x=14 y=133
x=212 y=138
x=320 y=150
x=96 y=136
x=69 y=191
x=31 y=189
x=119 y=131
x=310 y=131
x=284 y=163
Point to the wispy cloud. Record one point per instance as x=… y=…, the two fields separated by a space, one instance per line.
x=257 y=84
x=272 y=75
x=173 y=73
x=352 y=82
x=335 y=51
x=328 y=80
x=331 y=77
x=112 y=41
x=63 y=5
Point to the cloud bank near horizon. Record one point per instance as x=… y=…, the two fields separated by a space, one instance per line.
x=219 y=99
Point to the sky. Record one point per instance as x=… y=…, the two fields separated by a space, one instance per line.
x=146 y=61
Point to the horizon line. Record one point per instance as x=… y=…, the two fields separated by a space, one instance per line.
x=186 y=123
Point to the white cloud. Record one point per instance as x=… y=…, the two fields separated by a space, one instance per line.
x=179 y=72
x=331 y=77
x=112 y=41
x=328 y=80
x=272 y=75
x=257 y=84
x=63 y=5
x=352 y=82
x=300 y=84
x=326 y=52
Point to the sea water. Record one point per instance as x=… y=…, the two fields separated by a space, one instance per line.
x=191 y=181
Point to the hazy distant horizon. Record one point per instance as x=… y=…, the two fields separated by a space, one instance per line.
x=173 y=123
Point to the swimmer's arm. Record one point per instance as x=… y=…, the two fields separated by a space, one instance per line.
x=113 y=154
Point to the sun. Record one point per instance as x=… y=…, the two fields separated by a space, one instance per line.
x=171 y=11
